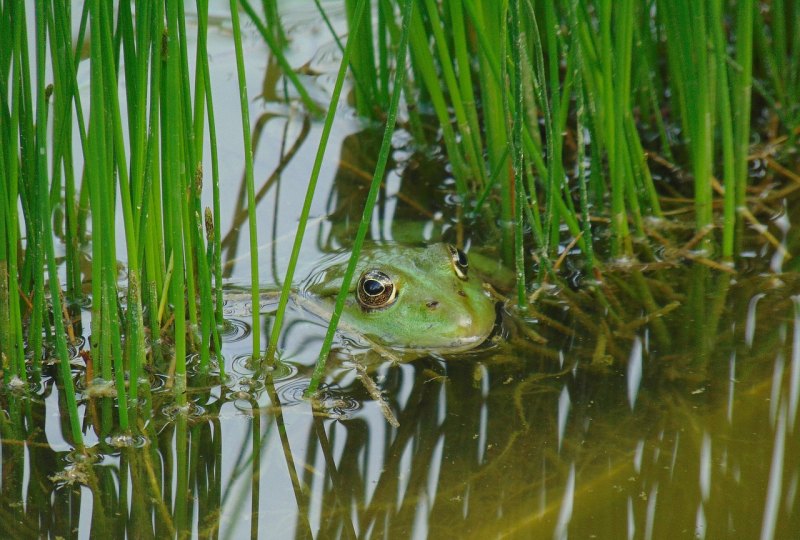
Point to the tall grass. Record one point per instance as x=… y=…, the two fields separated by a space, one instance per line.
x=552 y=116
x=251 y=197
x=536 y=76
x=148 y=166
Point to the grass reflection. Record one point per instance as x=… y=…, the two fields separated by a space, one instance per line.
x=481 y=447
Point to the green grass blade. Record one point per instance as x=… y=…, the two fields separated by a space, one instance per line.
x=276 y=49
x=372 y=195
x=251 y=199
x=312 y=183
x=47 y=233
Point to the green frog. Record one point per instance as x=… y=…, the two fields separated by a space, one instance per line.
x=405 y=299
x=422 y=299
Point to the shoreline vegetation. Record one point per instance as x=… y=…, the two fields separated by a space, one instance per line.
x=587 y=128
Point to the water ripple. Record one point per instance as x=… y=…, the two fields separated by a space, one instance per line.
x=293 y=392
x=73 y=349
x=193 y=366
x=234 y=330
x=126 y=440
x=329 y=401
x=246 y=366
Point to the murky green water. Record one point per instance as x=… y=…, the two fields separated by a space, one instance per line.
x=676 y=423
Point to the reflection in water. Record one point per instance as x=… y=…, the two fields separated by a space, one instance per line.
x=231 y=241
x=497 y=443
x=634 y=371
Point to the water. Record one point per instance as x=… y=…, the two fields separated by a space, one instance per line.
x=611 y=421
x=499 y=443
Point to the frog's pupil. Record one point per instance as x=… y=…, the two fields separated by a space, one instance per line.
x=462 y=258
x=373 y=287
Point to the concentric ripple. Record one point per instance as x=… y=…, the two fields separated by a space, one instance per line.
x=292 y=393
x=244 y=365
x=157 y=382
x=193 y=364
x=73 y=349
x=250 y=401
x=234 y=330
x=19 y=388
x=329 y=401
x=237 y=308
x=126 y=440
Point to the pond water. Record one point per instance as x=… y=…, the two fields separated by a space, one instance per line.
x=590 y=416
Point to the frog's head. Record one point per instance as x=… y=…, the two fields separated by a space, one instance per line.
x=423 y=299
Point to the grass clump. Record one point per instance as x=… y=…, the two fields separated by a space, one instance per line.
x=590 y=97
x=147 y=164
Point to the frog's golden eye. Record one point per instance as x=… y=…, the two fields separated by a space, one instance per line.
x=459 y=260
x=375 y=290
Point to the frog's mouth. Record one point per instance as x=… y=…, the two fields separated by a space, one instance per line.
x=500 y=330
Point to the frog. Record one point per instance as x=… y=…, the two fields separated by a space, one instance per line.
x=405 y=299
x=410 y=299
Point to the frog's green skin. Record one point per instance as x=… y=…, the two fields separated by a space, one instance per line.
x=440 y=305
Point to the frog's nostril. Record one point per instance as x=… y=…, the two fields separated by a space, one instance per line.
x=433 y=304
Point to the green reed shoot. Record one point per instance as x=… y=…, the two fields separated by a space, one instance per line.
x=742 y=90
x=778 y=45
x=251 y=196
x=362 y=57
x=515 y=98
x=687 y=28
x=11 y=329
x=276 y=48
x=372 y=195
x=46 y=233
x=312 y=183
x=726 y=129
x=214 y=247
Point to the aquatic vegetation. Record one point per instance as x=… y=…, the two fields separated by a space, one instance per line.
x=502 y=81
x=631 y=163
x=564 y=103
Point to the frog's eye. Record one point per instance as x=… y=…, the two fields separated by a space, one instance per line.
x=375 y=290
x=459 y=260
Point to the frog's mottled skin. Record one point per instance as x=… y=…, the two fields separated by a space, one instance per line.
x=435 y=310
